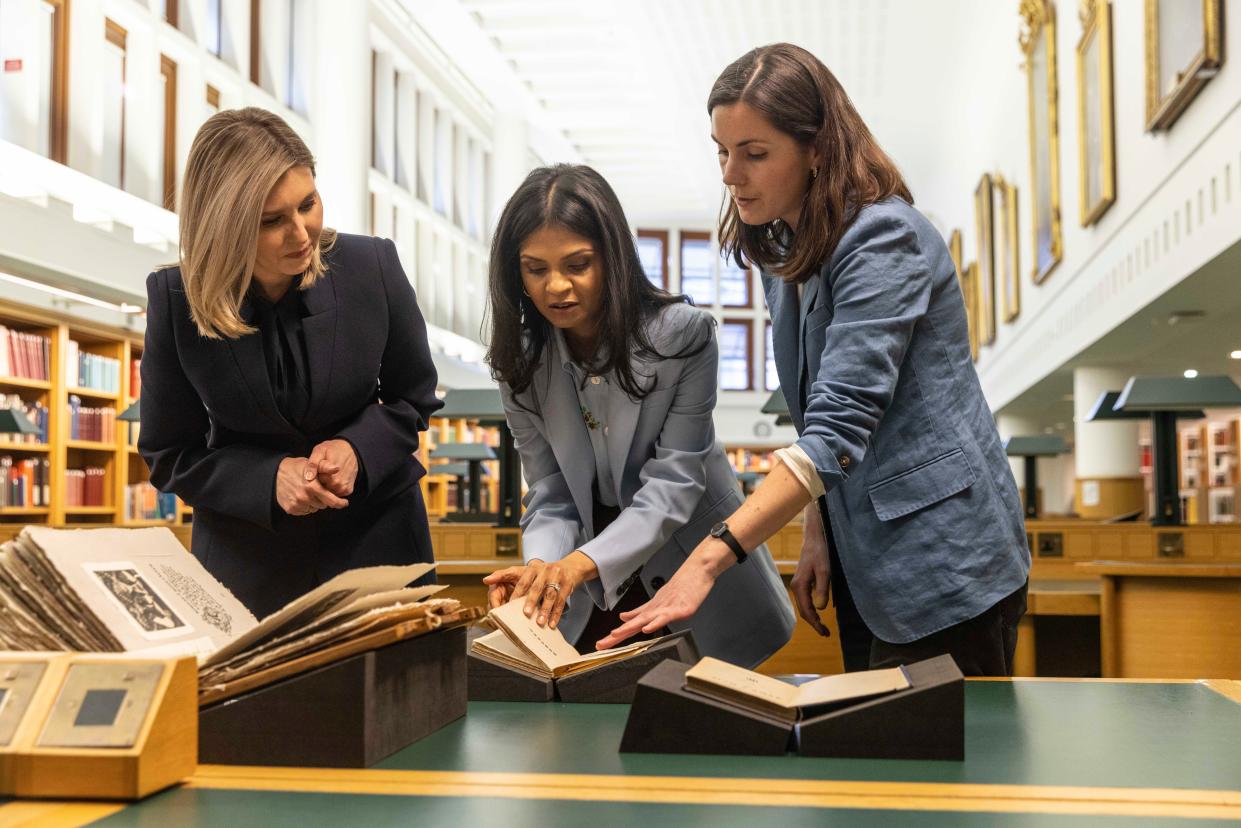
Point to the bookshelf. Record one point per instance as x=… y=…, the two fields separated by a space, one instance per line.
x=78 y=380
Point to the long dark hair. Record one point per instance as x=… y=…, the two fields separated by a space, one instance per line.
x=801 y=98
x=578 y=199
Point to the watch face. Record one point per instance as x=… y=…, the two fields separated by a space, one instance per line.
x=718 y=530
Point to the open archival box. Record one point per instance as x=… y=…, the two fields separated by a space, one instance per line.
x=140 y=591
x=521 y=644
x=769 y=696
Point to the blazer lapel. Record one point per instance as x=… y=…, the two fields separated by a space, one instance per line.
x=248 y=354
x=788 y=347
x=567 y=436
x=621 y=423
x=319 y=328
x=810 y=291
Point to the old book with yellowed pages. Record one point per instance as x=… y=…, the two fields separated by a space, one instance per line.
x=522 y=644
x=140 y=591
x=740 y=687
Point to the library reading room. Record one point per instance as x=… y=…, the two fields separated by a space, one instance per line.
x=621 y=412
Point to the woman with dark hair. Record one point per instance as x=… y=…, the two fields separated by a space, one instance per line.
x=911 y=510
x=609 y=386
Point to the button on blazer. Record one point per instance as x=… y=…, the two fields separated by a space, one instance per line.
x=211 y=431
x=875 y=363
x=673 y=482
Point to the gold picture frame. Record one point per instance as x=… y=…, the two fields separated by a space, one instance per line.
x=1007 y=248
x=1184 y=50
x=984 y=227
x=1096 y=138
x=1038 y=42
x=969 y=279
x=955 y=249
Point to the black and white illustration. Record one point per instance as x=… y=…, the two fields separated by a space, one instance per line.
x=134 y=594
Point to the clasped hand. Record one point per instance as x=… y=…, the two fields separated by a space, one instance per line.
x=323 y=480
x=546 y=586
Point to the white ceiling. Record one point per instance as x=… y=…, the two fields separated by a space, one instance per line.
x=627 y=80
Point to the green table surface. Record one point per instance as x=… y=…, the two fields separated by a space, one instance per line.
x=1023 y=732
x=1077 y=734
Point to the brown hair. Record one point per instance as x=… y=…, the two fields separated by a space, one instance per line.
x=237 y=156
x=800 y=97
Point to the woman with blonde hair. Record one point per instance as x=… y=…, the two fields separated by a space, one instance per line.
x=286 y=374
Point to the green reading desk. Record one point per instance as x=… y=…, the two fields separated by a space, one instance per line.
x=1038 y=752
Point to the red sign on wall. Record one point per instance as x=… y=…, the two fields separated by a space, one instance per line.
x=13 y=65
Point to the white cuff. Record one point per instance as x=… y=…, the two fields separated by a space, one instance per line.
x=802 y=467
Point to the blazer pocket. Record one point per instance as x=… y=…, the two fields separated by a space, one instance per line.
x=922 y=485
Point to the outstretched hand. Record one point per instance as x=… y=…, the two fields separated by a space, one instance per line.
x=676 y=600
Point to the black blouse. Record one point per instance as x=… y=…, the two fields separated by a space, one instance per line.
x=284 y=347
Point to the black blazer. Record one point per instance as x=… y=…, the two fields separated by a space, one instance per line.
x=211 y=431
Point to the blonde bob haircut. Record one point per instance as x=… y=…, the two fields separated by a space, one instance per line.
x=237 y=157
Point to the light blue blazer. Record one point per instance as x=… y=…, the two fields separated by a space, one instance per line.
x=875 y=365
x=673 y=482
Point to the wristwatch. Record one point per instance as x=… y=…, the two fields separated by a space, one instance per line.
x=720 y=530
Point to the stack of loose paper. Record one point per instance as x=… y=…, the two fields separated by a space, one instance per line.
x=522 y=644
x=139 y=590
x=740 y=687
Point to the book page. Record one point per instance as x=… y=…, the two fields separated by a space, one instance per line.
x=336 y=593
x=831 y=689
x=731 y=678
x=142 y=584
x=546 y=645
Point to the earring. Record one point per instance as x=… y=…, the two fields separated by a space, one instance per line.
x=814 y=173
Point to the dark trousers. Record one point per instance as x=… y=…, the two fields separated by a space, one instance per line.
x=982 y=646
x=602 y=622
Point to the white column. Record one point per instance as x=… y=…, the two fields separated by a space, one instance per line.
x=340 y=102
x=509 y=166
x=1104 y=449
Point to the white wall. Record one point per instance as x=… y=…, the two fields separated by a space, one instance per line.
x=1178 y=193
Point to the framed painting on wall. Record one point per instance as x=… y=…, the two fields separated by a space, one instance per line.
x=1184 y=50
x=1038 y=41
x=969 y=281
x=1096 y=139
x=1007 y=260
x=984 y=224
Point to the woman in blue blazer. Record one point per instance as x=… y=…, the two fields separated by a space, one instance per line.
x=912 y=511
x=609 y=386
x=286 y=374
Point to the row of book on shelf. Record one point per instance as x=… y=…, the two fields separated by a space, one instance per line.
x=24 y=355
x=91 y=423
x=86 y=370
x=26 y=482
x=36 y=413
x=144 y=502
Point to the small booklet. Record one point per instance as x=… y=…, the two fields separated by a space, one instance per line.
x=522 y=644
x=769 y=696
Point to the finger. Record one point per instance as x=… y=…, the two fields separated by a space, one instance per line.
x=322 y=497
x=550 y=597
x=805 y=605
x=534 y=594
x=495 y=596
x=820 y=586
x=620 y=634
x=310 y=471
x=525 y=583
x=511 y=573
x=554 y=618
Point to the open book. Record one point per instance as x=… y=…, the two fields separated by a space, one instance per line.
x=140 y=591
x=763 y=694
x=522 y=644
